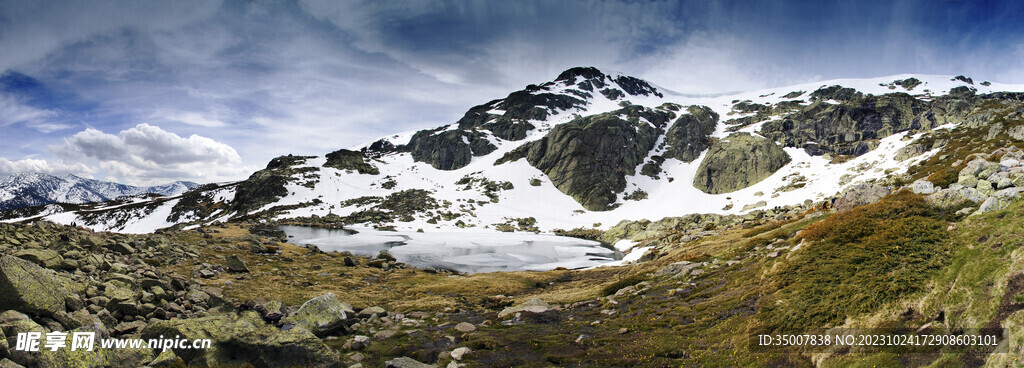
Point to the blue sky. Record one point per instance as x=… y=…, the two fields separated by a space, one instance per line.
x=145 y=92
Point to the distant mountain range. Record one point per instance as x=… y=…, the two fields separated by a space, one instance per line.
x=35 y=189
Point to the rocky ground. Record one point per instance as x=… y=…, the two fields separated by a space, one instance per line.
x=705 y=286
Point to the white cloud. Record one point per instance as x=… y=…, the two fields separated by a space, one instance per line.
x=147 y=154
x=8 y=167
x=13 y=111
x=189 y=118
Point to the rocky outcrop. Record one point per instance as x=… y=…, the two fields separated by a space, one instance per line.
x=244 y=339
x=737 y=162
x=589 y=158
x=268 y=185
x=350 y=160
x=690 y=134
x=990 y=185
x=448 y=149
x=848 y=128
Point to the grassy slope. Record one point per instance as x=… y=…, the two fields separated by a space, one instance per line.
x=702 y=320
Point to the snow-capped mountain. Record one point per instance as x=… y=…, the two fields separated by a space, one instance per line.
x=34 y=189
x=590 y=149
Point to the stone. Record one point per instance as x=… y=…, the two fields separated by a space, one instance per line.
x=458 y=353
x=385 y=255
x=859 y=195
x=465 y=327
x=240 y=340
x=29 y=288
x=351 y=262
x=322 y=315
x=235 y=264
x=921 y=186
x=121 y=248
x=359 y=342
x=998 y=201
x=372 y=311
x=534 y=305
x=406 y=362
x=43 y=257
x=738 y=161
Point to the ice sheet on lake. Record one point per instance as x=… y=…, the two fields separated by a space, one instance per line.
x=463 y=251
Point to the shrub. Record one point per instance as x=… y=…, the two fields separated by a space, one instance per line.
x=860 y=259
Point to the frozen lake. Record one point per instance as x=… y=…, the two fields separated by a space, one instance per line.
x=463 y=251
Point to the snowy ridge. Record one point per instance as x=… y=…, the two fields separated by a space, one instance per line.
x=323 y=191
x=34 y=189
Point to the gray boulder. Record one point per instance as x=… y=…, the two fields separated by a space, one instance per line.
x=534 y=305
x=322 y=315
x=406 y=362
x=29 y=288
x=737 y=162
x=922 y=186
x=859 y=195
x=245 y=340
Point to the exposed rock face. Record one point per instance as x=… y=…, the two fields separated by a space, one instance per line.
x=588 y=158
x=448 y=149
x=27 y=287
x=350 y=160
x=322 y=315
x=245 y=340
x=267 y=185
x=737 y=162
x=690 y=134
x=849 y=128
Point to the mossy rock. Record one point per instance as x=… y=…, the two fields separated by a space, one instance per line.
x=322 y=315
x=43 y=257
x=29 y=288
x=245 y=340
x=737 y=162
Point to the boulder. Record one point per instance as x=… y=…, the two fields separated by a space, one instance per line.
x=678 y=269
x=859 y=195
x=372 y=311
x=239 y=340
x=999 y=200
x=406 y=362
x=322 y=315
x=385 y=255
x=29 y=288
x=922 y=186
x=465 y=327
x=534 y=305
x=235 y=264
x=458 y=353
x=955 y=195
x=43 y=257
x=737 y=162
